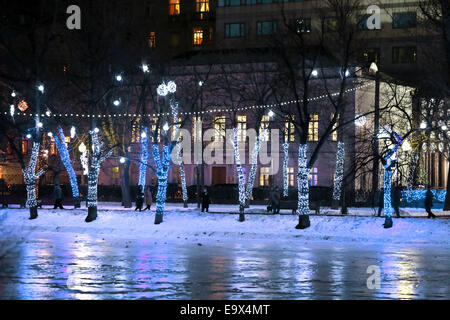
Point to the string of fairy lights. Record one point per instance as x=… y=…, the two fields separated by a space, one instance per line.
x=49 y=114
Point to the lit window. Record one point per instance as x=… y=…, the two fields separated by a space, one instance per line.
x=24 y=146
x=53 y=147
x=115 y=172
x=313 y=177
x=202 y=6
x=135 y=131
x=220 y=127
x=197 y=130
x=174 y=7
x=313 y=131
x=198 y=36
x=265 y=122
x=264 y=177
x=241 y=128
x=177 y=126
x=152 y=40
x=334 y=134
x=289 y=129
x=155 y=129
x=291 y=177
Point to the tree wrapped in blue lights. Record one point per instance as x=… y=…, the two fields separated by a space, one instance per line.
x=240 y=173
x=285 y=169
x=254 y=166
x=60 y=139
x=144 y=158
x=31 y=177
x=303 y=188
x=162 y=172
x=338 y=173
x=98 y=156
x=389 y=162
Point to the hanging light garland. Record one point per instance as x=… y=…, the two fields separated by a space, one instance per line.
x=302 y=180
x=30 y=176
x=254 y=167
x=240 y=171
x=163 y=90
x=144 y=158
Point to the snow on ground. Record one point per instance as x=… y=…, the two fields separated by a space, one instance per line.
x=181 y=223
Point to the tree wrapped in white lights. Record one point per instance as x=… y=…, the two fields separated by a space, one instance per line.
x=60 y=139
x=303 y=188
x=174 y=107
x=254 y=166
x=240 y=173
x=338 y=173
x=30 y=177
x=98 y=156
x=285 y=169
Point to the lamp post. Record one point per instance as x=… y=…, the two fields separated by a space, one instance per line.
x=375 y=172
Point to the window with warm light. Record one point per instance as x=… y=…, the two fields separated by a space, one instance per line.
x=198 y=36
x=220 y=127
x=264 y=177
x=202 y=7
x=135 y=132
x=291 y=177
x=176 y=127
x=313 y=130
x=152 y=40
x=155 y=129
x=242 y=128
x=197 y=129
x=289 y=130
x=24 y=146
x=265 y=123
x=174 y=7
x=115 y=172
x=334 y=134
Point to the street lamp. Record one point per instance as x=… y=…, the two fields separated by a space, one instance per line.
x=82 y=147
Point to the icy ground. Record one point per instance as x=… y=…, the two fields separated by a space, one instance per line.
x=194 y=255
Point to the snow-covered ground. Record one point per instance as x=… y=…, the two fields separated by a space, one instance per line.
x=114 y=221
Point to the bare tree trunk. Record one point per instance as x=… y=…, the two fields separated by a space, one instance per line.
x=126 y=198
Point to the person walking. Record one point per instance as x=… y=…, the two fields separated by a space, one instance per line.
x=139 y=199
x=380 y=201
x=429 y=203
x=396 y=200
x=148 y=198
x=205 y=201
x=58 y=195
x=275 y=200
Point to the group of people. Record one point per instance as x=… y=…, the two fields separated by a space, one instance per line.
x=396 y=198
x=144 y=196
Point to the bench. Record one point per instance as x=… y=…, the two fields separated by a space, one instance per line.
x=75 y=202
x=293 y=205
x=11 y=199
x=286 y=204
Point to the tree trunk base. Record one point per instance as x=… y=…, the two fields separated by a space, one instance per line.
x=344 y=210
x=33 y=213
x=158 y=218
x=77 y=204
x=303 y=222
x=185 y=204
x=241 y=214
x=92 y=214
x=388 y=223
x=335 y=204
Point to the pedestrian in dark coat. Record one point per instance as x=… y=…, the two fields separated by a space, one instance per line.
x=396 y=200
x=58 y=195
x=429 y=203
x=139 y=199
x=275 y=200
x=205 y=201
x=380 y=201
x=148 y=198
